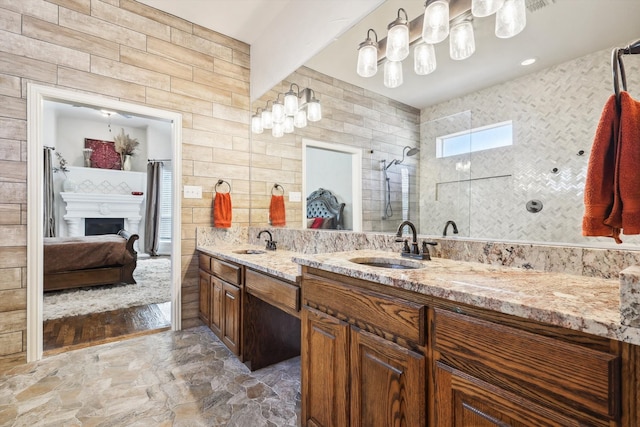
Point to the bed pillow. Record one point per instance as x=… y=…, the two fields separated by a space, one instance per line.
x=317 y=223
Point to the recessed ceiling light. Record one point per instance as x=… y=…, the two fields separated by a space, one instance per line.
x=528 y=61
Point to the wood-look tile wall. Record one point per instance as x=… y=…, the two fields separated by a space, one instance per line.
x=125 y=50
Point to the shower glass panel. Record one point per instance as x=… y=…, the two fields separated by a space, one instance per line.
x=445 y=182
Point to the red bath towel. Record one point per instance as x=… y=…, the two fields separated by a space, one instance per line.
x=625 y=213
x=277 y=214
x=598 y=190
x=612 y=187
x=222 y=210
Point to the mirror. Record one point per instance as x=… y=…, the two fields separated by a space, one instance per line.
x=554 y=107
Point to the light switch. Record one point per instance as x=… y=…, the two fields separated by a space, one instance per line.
x=192 y=192
x=295 y=196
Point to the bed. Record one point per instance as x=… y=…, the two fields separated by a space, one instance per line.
x=74 y=262
x=324 y=210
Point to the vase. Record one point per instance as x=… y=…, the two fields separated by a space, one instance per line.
x=69 y=185
x=126 y=165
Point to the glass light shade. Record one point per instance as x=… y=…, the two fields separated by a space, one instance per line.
x=435 y=27
x=424 y=59
x=482 y=8
x=290 y=103
x=314 y=110
x=267 y=119
x=367 y=60
x=288 y=124
x=392 y=74
x=278 y=112
x=256 y=124
x=398 y=42
x=462 y=42
x=278 y=130
x=300 y=119
x=511 y=18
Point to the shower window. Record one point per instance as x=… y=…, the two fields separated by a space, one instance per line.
x=477 y=139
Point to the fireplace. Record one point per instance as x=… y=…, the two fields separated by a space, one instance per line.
x=98 y=226
x=106 y=208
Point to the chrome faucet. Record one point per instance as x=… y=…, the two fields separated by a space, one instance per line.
x=414 y=251
x=446 y=226
x=271 y=245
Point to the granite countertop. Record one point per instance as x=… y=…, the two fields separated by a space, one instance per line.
x=586 y=304
x=276 y=263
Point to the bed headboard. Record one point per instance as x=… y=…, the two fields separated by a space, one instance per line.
x=323 y=204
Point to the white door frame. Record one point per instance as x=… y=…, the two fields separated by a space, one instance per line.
x=36 y=95
x=356 y=178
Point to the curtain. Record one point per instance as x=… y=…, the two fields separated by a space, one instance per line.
x=49 y=215
x=152 y=215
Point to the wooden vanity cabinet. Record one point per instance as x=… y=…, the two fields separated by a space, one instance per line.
x=374 y=355
x=221 y=300
x=489 y=374
x=362 y=359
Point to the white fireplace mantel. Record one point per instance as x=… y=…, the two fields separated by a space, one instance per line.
x=97 y=205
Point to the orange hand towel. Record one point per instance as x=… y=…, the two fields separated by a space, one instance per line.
x=625 y=213
x=222 y=210
x=277 y=214
x=599 y=184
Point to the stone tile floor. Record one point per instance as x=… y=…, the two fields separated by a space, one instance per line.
x=185 y=378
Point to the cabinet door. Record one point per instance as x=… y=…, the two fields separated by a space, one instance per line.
x=462 y=400
x=325 y=364
x=205 y=302
x=388 y=383
x=216 y=319
x=231 y=321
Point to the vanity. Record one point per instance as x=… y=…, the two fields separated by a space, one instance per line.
x=250 y=299
x=449 y=343
x=461 y=344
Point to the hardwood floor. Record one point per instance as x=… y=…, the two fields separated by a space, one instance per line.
x=70 y=333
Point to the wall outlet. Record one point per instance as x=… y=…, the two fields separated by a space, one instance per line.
x=192 y=192
x=295 y=196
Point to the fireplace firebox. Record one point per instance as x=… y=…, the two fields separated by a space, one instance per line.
x=98 y=226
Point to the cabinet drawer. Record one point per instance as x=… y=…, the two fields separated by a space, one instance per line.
x=226 y=271
x=566 y=376
x=384 y=315
x=276 y=292
x=204 y=262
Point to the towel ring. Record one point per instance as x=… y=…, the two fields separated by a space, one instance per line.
x=219 y=183
x=275 y=188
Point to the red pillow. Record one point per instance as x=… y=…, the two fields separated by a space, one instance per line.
x=317 y=222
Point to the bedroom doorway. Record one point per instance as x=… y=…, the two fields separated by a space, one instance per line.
x=45 y=105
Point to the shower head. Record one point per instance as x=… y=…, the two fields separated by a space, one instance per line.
x=412 y=151
x=406 y=151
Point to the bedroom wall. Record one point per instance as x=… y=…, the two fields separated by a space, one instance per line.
x=125 y=50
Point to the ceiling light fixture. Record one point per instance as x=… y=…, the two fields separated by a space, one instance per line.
x=441 y=18
x=528 y=61
x=299 y=108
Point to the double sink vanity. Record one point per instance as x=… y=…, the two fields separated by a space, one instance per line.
x=437 y=343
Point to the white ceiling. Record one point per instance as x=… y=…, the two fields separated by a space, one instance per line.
x=563 y=30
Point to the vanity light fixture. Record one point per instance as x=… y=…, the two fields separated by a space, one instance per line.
x=368 y=56
x=314 y=109
x=267 y=118
x=398 y=38
x=256 y=122
x=277 y=111
x=291 y=100
x=462 y=43
x=441 y=18
x=299 y=108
